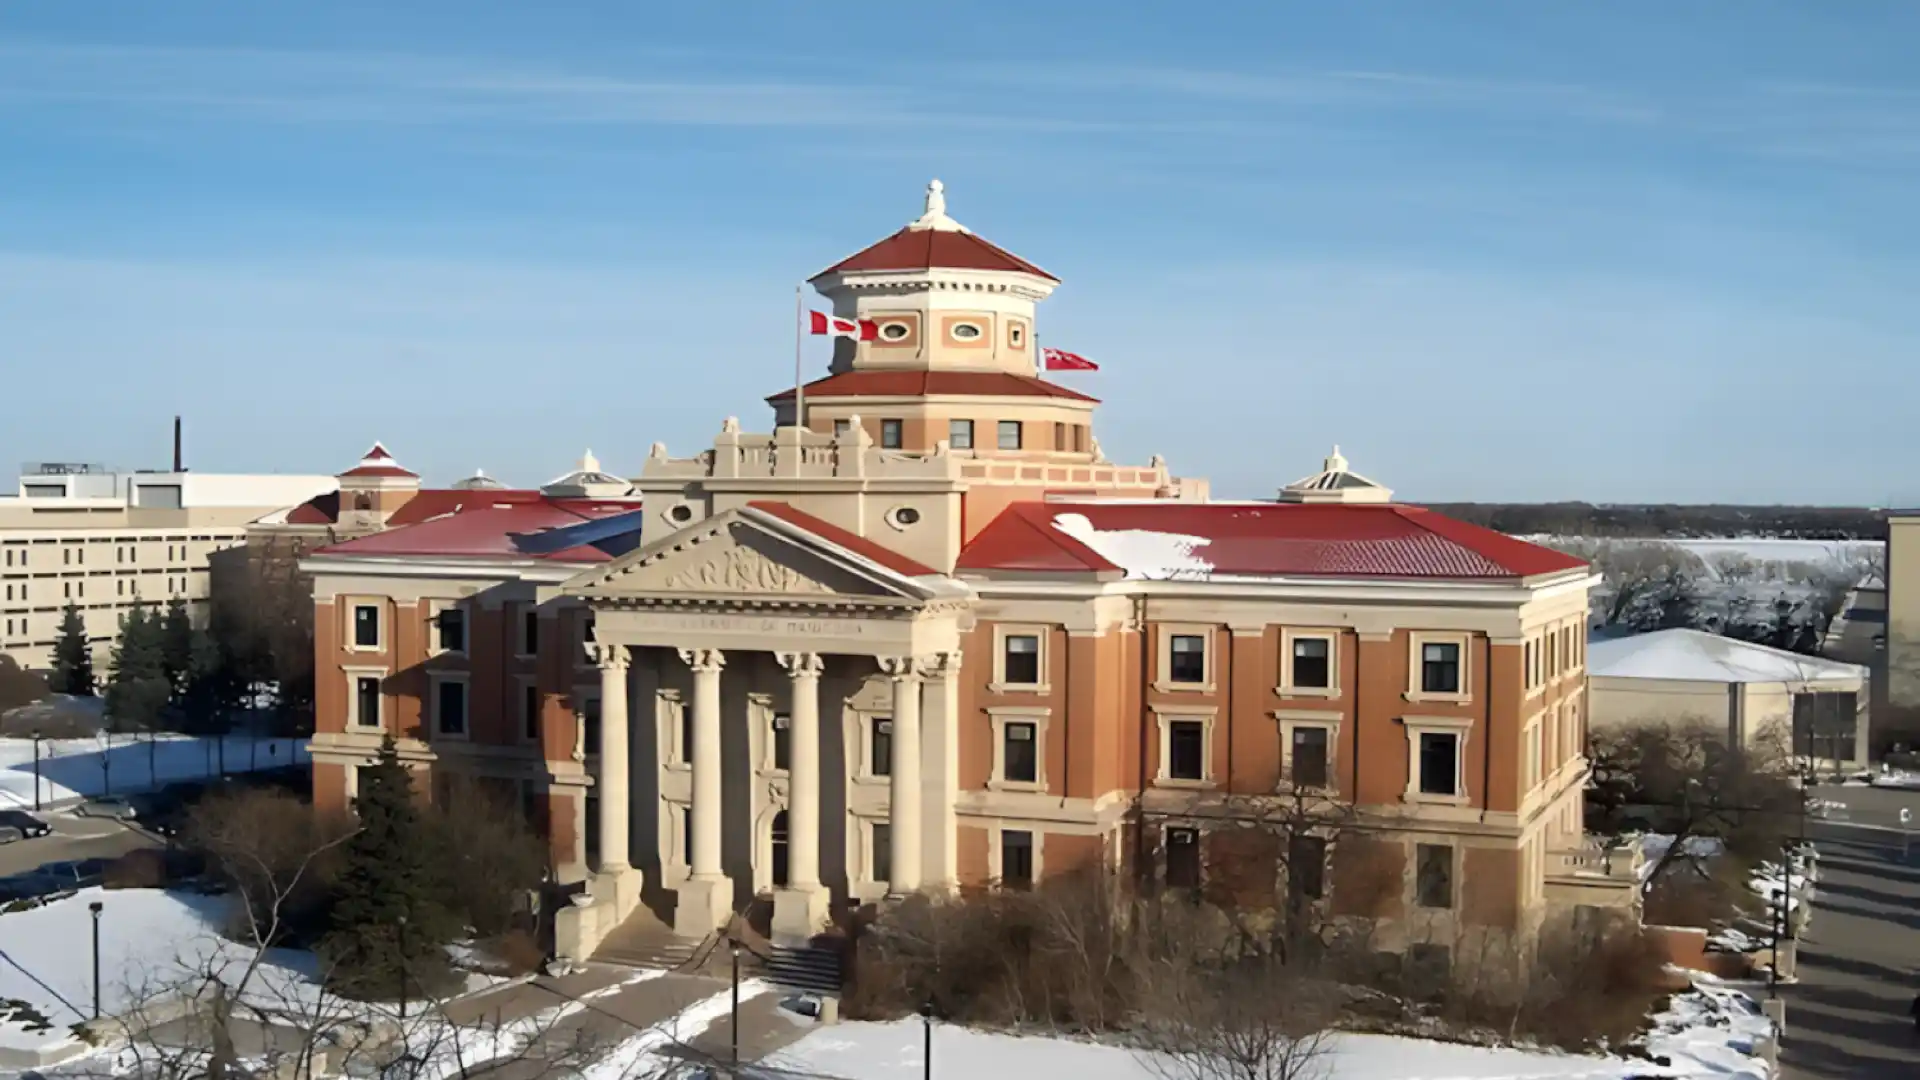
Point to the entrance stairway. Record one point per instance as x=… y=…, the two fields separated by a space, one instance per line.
x=643 y=941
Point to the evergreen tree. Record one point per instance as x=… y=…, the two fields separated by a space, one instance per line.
x=72 y=656
x=176 y=645
x=138 y=691
x=390 y=928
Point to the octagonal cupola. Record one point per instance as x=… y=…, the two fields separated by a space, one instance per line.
x=942 y=299
x=1336 y=482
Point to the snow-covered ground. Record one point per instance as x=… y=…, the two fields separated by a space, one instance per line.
x=1710 y=1032
x=70 y=768
x=151 y=941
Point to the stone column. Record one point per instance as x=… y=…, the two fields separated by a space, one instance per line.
x=616 y=879
x=940 y=772
x=707 y=897
x=905 y=796
x=800 y=908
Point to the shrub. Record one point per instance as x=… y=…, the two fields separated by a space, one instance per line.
x=137 y=870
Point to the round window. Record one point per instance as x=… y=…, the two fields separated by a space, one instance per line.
x=901 y=517
x=895 y=331
x=681 y=514
x=965 y=331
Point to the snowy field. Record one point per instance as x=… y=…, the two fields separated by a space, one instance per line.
x=1710 y=1032
x=71 y=768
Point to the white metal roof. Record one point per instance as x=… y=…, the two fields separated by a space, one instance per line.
x=1698 y=656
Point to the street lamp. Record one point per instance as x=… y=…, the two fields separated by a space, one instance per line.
x=733 y=946
x=36 y=769
x=96 y=907
x=926 y=1020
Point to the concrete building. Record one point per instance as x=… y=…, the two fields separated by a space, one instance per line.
x=1760 y=697
x=104 y=541
x=924 y=634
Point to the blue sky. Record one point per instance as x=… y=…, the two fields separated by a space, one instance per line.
x=1622 y=251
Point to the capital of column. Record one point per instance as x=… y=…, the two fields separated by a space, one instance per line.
x=609 y=656
x=940 y=666
x=901 y=668
x=801 y=665
x=703 y=660
x=933 y=666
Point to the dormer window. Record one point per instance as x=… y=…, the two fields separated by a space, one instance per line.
x=966 y=332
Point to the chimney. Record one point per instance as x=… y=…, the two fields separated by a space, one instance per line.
x=178 y=465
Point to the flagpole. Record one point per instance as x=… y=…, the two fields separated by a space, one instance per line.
x=799 y=385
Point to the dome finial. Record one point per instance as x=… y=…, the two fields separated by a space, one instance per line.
x=589 y=463
x=1336 y=463
x=935 y=217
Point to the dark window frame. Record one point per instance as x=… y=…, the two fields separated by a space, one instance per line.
x=960 y=434
x=366 y=626
x=1009 y=435
x=893 y=434
x=1017 y=675
x=1318 y=670
x=1187 y=750
x=442 y=687
x=1179 y=659
x=1433 y=876
x=782 y=735
x=1428 y=748
x=1020 y=757
x=1440 y=674
x=880 y=747
x=1319 y=774
x=451 y=624
x=366 y=689
x=1016 y=858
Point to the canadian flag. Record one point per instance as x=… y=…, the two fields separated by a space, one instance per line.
x=857 y=329
x=1062 y=360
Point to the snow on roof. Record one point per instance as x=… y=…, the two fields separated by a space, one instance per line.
x=1142 y=553
x=1697 y=656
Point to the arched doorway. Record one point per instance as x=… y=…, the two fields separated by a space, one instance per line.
x=777 y=848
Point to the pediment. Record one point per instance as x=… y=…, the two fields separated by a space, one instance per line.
x=738 y=555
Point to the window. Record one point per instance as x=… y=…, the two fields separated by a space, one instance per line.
x=1016 y=335
x=892 y=434
x=453 y=629
x=1021 y=660
x=1433 y=875
x=782 y=741
x=1306 y=867
x=1009 y=434
x=530 y=711
x=1020 y=755
x=777 y=848
x=1016 y=858
x=895 y=331
x=1440 y=667
x=1439 y=763
x=960 y=434
x=66 y=589
x=1059 y=436
x=366 y=696
x=1526 y=665
x=450 y=701
x=1309 y=757
x=880 y=751
x=1187 y=659
x=366 y=626
x=1312 y=658
x=529 y=633
x=686 y=734
x=965 y=332
x=882 y=851
x=1186 y=750
x=841 y=427
x=1183 y=858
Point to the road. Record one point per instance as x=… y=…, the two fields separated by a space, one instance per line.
x=1860 y=960
x=73 y=837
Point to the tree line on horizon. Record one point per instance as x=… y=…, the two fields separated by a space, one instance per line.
x=1672 y=520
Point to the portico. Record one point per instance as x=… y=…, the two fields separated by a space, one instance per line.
x=682 y=632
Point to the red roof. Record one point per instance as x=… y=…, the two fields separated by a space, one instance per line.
x=483 y=524
x=924 y=383
x=927 y=249
x=377 y=462
x=323 y=509
x=1265 y=539
x=852 y=541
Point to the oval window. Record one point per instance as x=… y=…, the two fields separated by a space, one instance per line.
x=895 y=331
x=681 y=514
x=965 y=331
x=901 y=517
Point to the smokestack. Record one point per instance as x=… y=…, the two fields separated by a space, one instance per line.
x=178 y=465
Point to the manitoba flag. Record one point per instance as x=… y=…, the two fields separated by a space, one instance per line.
x=857 y=329
x=1062 y=360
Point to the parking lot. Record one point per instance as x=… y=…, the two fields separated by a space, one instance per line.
x=73 y=837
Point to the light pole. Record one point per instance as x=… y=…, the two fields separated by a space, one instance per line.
x=926 y=1020
x=733 y=946
x=36 y=770
x=106 y=766
x=153 y=761
x=1906 y=821
x=96 y=907
x=403 y=967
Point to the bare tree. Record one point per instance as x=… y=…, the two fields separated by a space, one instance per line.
x=1253 y=1019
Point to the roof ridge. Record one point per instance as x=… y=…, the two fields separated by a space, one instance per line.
x=1068 y=545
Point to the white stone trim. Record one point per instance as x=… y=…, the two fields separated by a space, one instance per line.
x=1044 y=659
x=1460 y=727
x=859 y=741
x=353 y=674
x=1000 y=717
x=861 y=860
x=1291 y=719
x=761 y=716
x=1163 y=667
x=670 y=722
x=1289 y=635
x=1416 y=643
x=436 y=729
x=1167 y=716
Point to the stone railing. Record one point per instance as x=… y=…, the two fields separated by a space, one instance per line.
x=1597 y=860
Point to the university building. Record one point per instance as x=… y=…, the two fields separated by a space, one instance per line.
x=924 y=635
